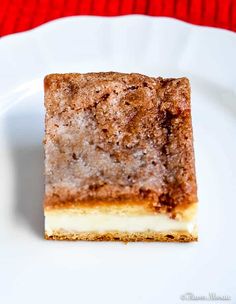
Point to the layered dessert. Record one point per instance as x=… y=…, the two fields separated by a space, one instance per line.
x=119 y=160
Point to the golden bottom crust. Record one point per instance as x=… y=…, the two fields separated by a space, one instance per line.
x=148 y=236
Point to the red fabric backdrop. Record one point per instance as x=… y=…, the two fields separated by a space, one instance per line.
x=21 y=15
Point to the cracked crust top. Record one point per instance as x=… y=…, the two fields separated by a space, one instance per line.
x=114 y=137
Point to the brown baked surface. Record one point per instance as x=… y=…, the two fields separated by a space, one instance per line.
x=113 y=138
x=149 y=236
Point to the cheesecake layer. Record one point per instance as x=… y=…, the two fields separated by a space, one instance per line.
x=106 y=222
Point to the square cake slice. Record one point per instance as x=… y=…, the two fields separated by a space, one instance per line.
x=119 y=160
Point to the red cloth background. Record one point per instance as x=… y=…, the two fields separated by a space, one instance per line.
x=21 y=15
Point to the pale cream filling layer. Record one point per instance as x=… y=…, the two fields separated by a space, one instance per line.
x=76 y=223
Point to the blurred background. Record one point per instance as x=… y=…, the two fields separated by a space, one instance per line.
x=22 y=15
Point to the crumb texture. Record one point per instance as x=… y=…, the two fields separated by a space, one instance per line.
x=148 y=236
x=114 y=136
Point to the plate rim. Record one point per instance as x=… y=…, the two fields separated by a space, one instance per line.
x=131 y=16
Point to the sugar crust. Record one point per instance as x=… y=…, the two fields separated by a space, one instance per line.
x=115 y=138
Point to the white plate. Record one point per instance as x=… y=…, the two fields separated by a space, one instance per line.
x=37 y=271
